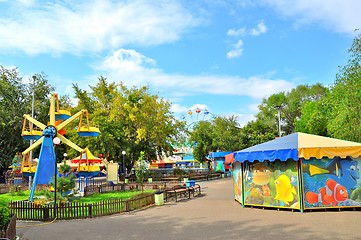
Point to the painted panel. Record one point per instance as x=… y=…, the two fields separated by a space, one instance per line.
x=272 y=184
x=331 y=183
x=237 y=181
x=219 y=165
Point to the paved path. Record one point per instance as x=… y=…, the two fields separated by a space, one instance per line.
x=214 y=215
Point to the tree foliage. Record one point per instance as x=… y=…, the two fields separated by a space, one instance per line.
x=291 y=104
x=130 y=120
x=344 y=99
x=219 y=134
x=15 y=101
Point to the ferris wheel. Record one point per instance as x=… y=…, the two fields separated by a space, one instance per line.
x=195 y=115
x=48 y=135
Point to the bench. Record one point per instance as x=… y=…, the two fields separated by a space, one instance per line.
x=214 y=175
x=170 y=179
x=198 y=177
x=194 y=189
x=181 y=191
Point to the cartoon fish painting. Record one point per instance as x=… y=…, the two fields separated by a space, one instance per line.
x=284 y=189
x=331 y=194
x=266 y=191
x=344 y=171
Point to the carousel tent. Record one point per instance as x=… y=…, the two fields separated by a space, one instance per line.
x=299 y=171
x=299 y=145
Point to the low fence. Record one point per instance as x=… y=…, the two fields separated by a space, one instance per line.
x=10 y=232
x=63 y=211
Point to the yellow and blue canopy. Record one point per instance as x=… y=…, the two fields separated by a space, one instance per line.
x=299 y=145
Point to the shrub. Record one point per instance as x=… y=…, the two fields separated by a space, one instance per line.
x=4 y=216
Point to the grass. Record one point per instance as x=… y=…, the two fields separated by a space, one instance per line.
x=16 y=196
x=105 y=196
x=24 y=195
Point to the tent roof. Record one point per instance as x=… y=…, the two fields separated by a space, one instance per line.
x=229 y=159
x=299 y=145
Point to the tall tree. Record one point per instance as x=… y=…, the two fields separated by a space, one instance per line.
x=290 y=104
x=344 y=99
x=130 y=120
x=15 y=101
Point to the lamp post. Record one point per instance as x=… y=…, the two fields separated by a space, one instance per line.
x=279 y=108
x=123 y=153
x=56 y=141
x=31 y=124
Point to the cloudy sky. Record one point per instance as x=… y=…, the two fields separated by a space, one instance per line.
x=222 y=56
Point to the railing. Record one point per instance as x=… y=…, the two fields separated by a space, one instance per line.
x=33 y=212
x=10 y=232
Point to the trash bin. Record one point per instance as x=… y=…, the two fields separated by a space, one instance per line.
x=185 y=180
x=126 y=180
x=159 y=198
x=190 y=183
x=150 y=180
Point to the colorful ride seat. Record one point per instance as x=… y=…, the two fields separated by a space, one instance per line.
x=88 y=132
x=62 y=115
x=32 y=135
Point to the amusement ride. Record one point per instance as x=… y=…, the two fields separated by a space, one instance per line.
x=47 y=136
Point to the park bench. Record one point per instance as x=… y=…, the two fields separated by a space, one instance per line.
x=176 y=191
x=198 y=177
x=194 y=189
x=170 y=179
x=180 y=191
x=214 y=175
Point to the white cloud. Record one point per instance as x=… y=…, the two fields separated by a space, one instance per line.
x=136 y=70
x=178 y=109
x=341 y=16
x=90 y=26
x=236 y=32
x=260 y=29
x=236 y=51
x=237 y=48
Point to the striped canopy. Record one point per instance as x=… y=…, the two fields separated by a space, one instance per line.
x=299 y=145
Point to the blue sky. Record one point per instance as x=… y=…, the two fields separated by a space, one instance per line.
x=219 y=55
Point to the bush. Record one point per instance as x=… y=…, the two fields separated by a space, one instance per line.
x=4 y=216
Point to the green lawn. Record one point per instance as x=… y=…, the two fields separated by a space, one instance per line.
x=24 y=195
x=105 y=196
x=17 y=196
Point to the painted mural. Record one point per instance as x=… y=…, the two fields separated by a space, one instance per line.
x=272 y=184
x=219 y=166
x=331 y=182
x=237 y=181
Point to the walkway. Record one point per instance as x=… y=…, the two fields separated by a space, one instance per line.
x=214 y=215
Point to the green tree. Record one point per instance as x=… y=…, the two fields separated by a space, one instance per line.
x=141 y=170
x=130 y=120
x=344 y=99
x=313 y=119
x=201 y=138
x=291 y=104
x=15 y=101
x=256 y=132
x=219 y=134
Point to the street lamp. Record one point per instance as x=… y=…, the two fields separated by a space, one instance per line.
x=123 y=153
x=56 y=141
x=279 y=108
